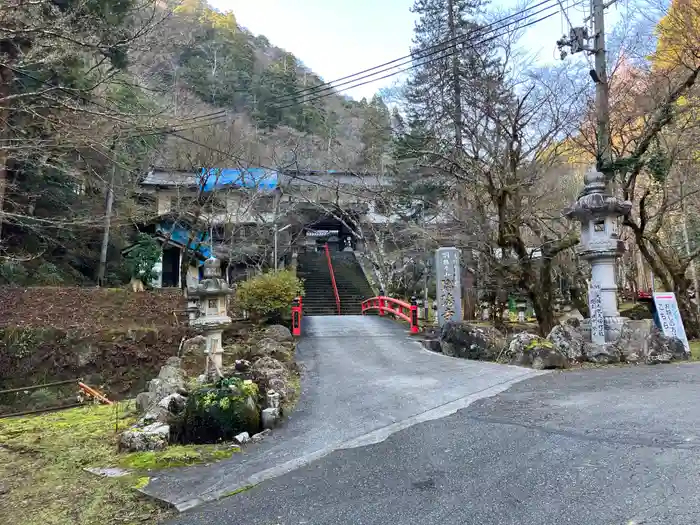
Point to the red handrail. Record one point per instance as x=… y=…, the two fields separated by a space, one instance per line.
x=335 y=286
x=401 y=309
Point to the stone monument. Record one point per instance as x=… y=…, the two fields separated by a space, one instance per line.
x=212 y=292
x=449 y=289
x=599 y=213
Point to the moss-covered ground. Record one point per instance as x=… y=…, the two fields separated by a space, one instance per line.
x=42 y=462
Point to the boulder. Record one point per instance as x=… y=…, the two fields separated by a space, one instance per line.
x=174 y=403
x=462 y=339
x=279 y=333
x=602 y=354
x=267 y=347
x=568 y=340
x=171 y=379
x=145 y=400
x=632 y=344
x=432 y=344
x=271 y=374
x=194 y=345
x=663 y=349
x=151 y=437
x=527 y=349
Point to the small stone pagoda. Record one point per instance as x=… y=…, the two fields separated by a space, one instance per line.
x=599 y=213
x=211 y=293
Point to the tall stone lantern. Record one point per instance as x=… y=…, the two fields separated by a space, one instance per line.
x=599 y=213
x=211 y=293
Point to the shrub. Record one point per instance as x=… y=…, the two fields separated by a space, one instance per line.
x=269 y=294
x=48 y=274
x=142 y=258
x=13 y=273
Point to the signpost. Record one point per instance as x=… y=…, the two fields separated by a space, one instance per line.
x=595 y=305
x=670 y=317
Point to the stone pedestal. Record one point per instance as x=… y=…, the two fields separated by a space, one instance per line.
x=599 y=214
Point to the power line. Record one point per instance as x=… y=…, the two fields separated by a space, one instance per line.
x=323 y=95
x=439 y=47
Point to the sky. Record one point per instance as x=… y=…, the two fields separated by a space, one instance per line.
x=335 y=38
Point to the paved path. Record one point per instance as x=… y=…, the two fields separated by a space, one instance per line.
x=363 y=378
x=615 y=446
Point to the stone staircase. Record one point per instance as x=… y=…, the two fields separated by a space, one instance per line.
x=319 y=298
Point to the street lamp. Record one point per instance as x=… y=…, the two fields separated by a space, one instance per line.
x=276 y=232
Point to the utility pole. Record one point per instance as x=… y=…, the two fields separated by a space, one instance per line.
x=579 y=41
x=108 y=220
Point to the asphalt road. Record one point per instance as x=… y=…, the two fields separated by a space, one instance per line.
x=363 y=379
x=607 y=446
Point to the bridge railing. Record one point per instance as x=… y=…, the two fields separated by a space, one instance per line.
x=389 y=305
x=335 y=286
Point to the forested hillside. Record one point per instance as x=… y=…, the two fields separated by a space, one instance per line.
x=92 y=92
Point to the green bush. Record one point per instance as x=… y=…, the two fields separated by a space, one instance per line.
x=269 y=294
x=143 y=257
x=13 y=273
x=48 y=274
x=218 y=412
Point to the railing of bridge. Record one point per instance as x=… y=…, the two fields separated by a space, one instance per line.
x=335 y=286
x=401 y=309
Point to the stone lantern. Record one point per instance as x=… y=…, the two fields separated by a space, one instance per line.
x=211 y=293
x=599 y=214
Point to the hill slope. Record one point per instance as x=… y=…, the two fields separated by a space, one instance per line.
x=201 y=60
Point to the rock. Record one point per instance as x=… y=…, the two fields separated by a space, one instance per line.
x=632 y=345
x=149 y=417
x=569 y=341
x=145 y=400
x=174 y=403
x=273 y=399
x=109 y=472
x=257 y=438
x=194 y=345
x=173 y=361
x=151 y=437
x=270 y=417
x=241 y=438
x=531 y=350
x=242 y=365
x=461 y=339
x=602 y=354
x=171 y=379
x=663 y=349
x=432 y=344
x=271 y=374
x=270 y=348
x=570 y=313
x=279 y=333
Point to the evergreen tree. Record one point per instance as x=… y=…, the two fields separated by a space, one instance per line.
x=445 y=84
x=376 y=133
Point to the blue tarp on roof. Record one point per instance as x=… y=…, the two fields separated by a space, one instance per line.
x=180 y=235
x=255 y=178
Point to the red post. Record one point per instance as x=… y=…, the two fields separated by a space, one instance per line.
x=381 y=302
x=296 y=317
x=414 y=315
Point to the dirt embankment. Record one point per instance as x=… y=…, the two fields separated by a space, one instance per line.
x=113 y=339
